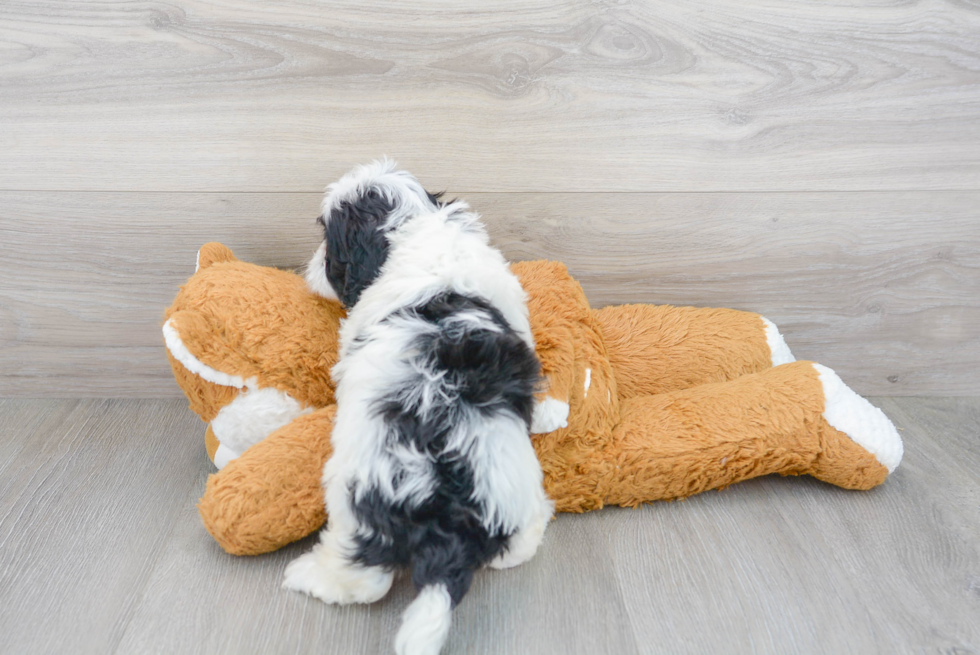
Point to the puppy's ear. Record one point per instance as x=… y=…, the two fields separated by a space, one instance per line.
x=357 y=244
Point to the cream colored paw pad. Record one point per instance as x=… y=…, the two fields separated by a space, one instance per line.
x=864 y=423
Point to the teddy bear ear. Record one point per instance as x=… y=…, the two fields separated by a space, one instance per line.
x=212 y=253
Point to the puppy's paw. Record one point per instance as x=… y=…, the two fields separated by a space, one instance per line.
x=301 y=574
x=522 y=546
x=323 y=575
x=549 y=415
x=515 y=556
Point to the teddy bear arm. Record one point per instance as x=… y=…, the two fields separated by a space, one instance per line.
x=271 y=495
x=556 y=352
x=660 y=348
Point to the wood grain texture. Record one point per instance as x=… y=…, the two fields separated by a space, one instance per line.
x=102 y=551
x=831 y=571
x=882 y=287
x=85 y=278
x=550 y=95
x=85 y=505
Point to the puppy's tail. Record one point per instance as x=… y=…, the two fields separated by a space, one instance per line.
x=425 y=624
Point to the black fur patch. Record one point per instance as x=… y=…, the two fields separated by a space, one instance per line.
x=493 y=371
x=443 y=541
x=357 y=245
x=490 y=371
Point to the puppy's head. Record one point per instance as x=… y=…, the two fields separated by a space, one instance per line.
x=359 y=211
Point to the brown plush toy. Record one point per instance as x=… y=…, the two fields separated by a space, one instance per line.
x=643 y=402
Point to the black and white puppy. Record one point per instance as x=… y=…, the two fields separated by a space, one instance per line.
x=432 y=468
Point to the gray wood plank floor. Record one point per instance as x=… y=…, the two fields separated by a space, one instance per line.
x=102 y=551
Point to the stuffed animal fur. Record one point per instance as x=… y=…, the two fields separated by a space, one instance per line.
x=662 y=402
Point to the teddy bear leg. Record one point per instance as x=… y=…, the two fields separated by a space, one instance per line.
x=859 y=444
x=659 y=348
x=271 y=495
x=681 y=443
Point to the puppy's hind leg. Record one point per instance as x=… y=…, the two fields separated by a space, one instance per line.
x=524 y=543
x=327 y=573
x=330 y=572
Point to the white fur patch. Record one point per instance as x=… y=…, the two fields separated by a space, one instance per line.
x=316 y=275
x=193 y=364
x=588 y=382
x=223 y=455
x=507 y=477
x=425 y=624
x=864 y=423
x=197 y=262
x=398 y=187
x=549 y=415
x=327 y=574
x=253 y=415
x=359 y=434
x=524 y=544
x=777 y=345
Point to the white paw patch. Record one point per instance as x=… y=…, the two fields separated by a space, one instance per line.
x=253 y=415
x=864 y=423
x=778 y=349
x=549 y=415
x=223 y=455
x=522 y=546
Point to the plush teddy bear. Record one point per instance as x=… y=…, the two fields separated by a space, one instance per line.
x=643 y=402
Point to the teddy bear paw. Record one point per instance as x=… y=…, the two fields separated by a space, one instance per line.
x=864 y=423
x=779 y=352
x=549 y=415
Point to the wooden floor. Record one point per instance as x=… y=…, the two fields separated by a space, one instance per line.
x=102 y=551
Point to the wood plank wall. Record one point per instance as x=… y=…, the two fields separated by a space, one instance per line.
x=818 y=163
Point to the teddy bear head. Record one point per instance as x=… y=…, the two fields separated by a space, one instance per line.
x=250 y=347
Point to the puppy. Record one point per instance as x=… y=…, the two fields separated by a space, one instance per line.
x=432 y=468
